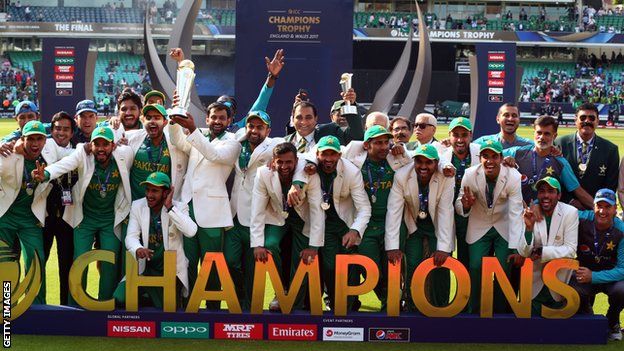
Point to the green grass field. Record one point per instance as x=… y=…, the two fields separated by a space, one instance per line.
x=369 y=302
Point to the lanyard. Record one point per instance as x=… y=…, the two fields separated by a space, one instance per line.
x=374 y=186
x=157 y=224
x=583 y=158
x=423 y=198
x=329 y=192
x=597 y=246
x=459 y=175
x=537 y=175
x=104 y=186
x=245 y=156
x=153 y=162
x=27 y=177
x=489 y=195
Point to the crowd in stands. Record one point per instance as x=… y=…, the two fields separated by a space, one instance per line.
x=117 y=77
x=16 y=84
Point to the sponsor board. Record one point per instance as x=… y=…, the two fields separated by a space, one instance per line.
x=131 y=329
x=184 y=330
x=497 y=91
x=343 y=334
x=496 y=82
x=389 y=334
x=496 y=74
x=63 y=69
x=495 y=98
x=496 y=66
x=64 y=92
x=498 y=56
x=238 y=331
x=293 y=332
x=66 y=85
x=64 y=52
x=63 y=77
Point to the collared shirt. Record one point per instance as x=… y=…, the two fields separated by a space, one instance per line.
x=310 y=143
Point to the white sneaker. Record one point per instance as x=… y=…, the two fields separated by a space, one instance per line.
x=274 y=305
x=615 y=332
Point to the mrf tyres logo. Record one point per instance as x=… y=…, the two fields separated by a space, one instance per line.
x=22 y=293
x=389 y=334
x=238 y=331
x=343 y=334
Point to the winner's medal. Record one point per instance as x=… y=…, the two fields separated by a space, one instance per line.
x=373 y=198
x=325 y=206
x=582 y=167
x=422 y=214
x=29 y=189
x=102 y=194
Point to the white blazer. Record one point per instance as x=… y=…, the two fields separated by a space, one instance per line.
x=560 y=242
x=85 y=164
x=179 y=160
x=11 y=176
x=175 y=224
x=244 y=181
x=506 y=213
x=447 y=155
x=210 y=164
x=403 y=203
x=267 y=205
x=356 y=153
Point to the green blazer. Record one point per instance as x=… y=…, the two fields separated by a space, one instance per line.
x=603 y=167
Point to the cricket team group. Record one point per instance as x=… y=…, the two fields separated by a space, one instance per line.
x=146 y=182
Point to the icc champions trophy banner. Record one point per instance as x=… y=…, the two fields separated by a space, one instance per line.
x=63 y=76
x=318 y=43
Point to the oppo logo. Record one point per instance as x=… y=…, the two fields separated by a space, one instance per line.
x=184 y=330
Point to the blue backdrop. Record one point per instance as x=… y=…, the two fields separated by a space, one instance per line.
x=317 y=37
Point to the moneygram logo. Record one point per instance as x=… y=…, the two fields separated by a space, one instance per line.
x=25 y=291
x=180 y=330
x=292 y=332
x=123 y=329
x=238 y=331
x=343 y=334
x=389 y=334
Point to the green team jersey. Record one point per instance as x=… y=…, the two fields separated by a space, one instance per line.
x=99 y=199
x=148 y=159
x=156 y=264
x=21 y=208
x=378 y=178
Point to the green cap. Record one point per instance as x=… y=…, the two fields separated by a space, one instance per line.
x=32 y=128
x=337 y=105
x=493 y=145
x=158 y=179
x=429 y=151
x=552 y=182
x=103 y=132
x=154 y=93
x=376 y=131
x=328 y=142
x=263 y=116
x=158 y=107
x=461 y=122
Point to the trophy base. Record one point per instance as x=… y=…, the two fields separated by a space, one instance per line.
x=177 y=111
x=348 y=110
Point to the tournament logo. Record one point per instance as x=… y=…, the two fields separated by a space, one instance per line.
x=389 y=334
x=238 y=331
x=293 y=332
x=131 y=329
x=343 y=334
x=22 y=293
x=182 y=330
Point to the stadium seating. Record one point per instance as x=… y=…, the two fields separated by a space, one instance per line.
x=125 y=59
x=24 y=60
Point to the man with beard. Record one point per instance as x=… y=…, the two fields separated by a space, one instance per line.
x=101 y=200
x=256 y=151
x=594 y=160
x=23 y=204
x=347 y=211
x=553 y=236
x=490 y=196
x=401 y=129
x=157 y=224
x=308 y=132
x=422 y=197
x=462 y=155
x=508 y=118
x=129 y=106
x=211 y=159
x=601 y=256
x=272 y=218
x=377 y=166
x=536 y=162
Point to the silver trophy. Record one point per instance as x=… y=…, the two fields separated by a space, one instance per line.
x=184 y=84
x=345 y=84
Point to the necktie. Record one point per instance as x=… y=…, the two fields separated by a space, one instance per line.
x=302 y=145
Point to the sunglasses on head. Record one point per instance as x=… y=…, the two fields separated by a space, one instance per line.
x=423 y=125
x=584 y=118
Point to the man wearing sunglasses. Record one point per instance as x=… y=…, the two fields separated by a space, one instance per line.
x=508 y=118
x=424 y=129
x=595 y=160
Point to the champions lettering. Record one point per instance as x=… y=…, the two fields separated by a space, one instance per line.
x=492 y=273
x=294 y=24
